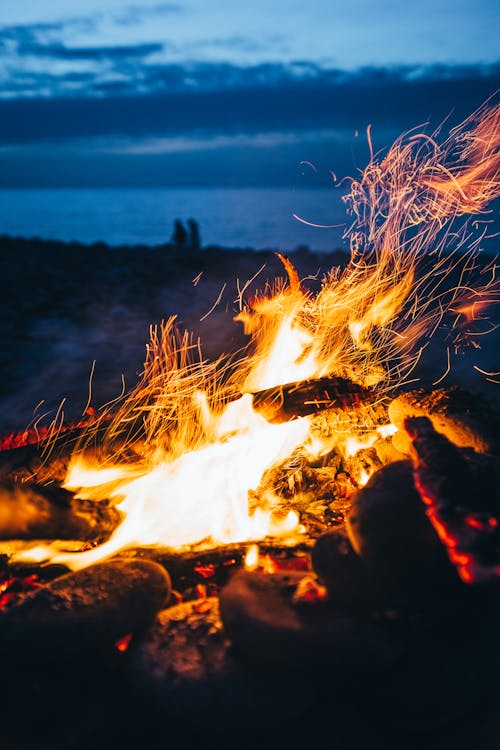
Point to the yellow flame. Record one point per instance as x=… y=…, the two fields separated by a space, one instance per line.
x=364 y=477
x=252 y=557
x=353 y=444
x=387 y=430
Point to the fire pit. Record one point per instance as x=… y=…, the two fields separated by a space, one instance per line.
x=246 y=543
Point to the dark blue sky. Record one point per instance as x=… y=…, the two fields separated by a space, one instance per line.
x=227 y=92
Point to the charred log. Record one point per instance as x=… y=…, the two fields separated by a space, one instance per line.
x=351 y=583
x=28 y=464
x=466 y=419
x=286 y=402
x=29 y=511
x=467 y=524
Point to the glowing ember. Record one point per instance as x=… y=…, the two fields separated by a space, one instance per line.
x=199 y=445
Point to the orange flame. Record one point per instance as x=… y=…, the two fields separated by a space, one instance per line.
x=185 y=446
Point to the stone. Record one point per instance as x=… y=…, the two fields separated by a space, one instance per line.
x=186 y=665
x=389 y=530
x=83 y=613
x=266 y=627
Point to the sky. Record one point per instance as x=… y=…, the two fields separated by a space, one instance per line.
x=227 y=92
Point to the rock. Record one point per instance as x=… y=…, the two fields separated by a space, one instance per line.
x=389 y=529
x=349 y=580
x=186 y=666
x=29 y=511
x=266 y=627
x=84 y=613
x=466 y=420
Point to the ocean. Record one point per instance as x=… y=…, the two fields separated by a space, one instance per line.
x=231 y=217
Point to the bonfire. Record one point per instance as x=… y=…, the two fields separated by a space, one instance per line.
x=351 y=500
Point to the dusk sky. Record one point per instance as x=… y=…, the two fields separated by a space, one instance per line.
x=228 y=92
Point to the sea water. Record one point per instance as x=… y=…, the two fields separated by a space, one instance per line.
x=230 y=217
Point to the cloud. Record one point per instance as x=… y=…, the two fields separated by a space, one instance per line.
x=112 y=71
x=17 y=35
x=116 y=52
x=135 y=14
x=171 y=100
x=221 y=124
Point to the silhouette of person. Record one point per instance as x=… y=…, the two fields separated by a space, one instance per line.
x=179 y=236
x=194 y=235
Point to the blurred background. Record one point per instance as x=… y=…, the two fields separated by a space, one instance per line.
x=140 y=110
x=117 y=119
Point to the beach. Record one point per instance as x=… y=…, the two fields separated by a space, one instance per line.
x=66 y=305
x=75 y=318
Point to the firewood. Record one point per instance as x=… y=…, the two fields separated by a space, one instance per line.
x=84 y=613
x=29 y=511
x=466 y=419
x=286 y=402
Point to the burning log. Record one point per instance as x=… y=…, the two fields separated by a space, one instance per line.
x=84 y=613
x=26 y=463
x=465 y=419
x=29 y=511
x=271 y=622
x=466 y=522
x=286 y=402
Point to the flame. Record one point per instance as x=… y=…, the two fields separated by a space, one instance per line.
x=181 y=452
x=387 y=430
x=353 y=444
x=252 y=557
x=363 y=478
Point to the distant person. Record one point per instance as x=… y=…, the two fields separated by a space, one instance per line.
x=180 y=235
x=194 y=235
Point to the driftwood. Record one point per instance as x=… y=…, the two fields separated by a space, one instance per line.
x=286 y=402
